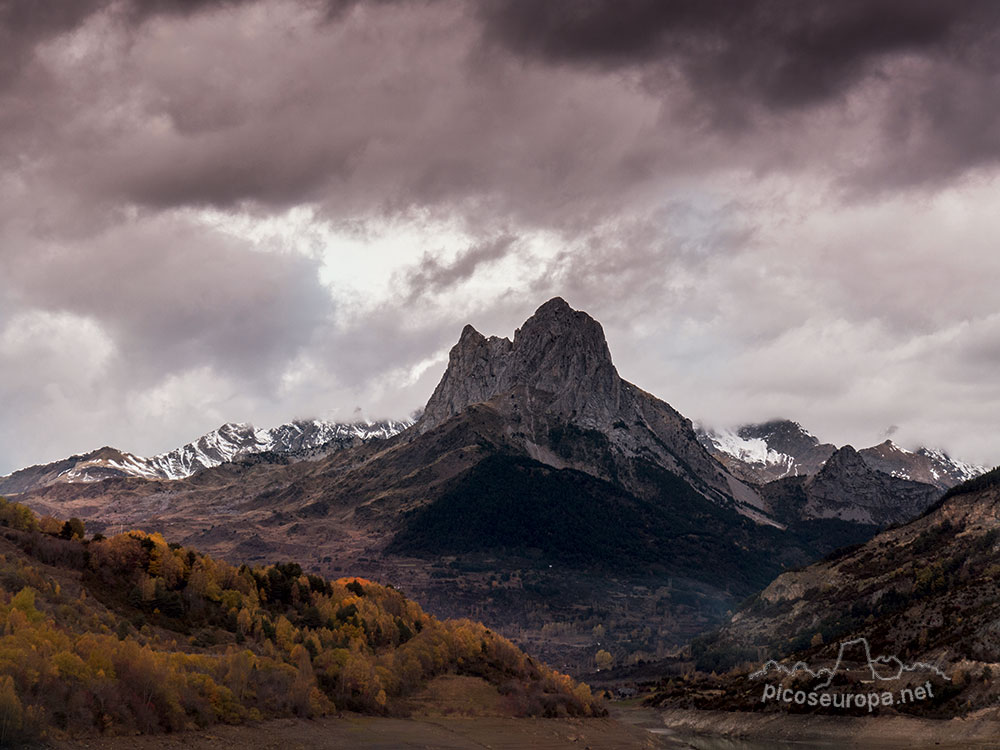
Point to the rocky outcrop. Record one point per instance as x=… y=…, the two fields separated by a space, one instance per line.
x=559 y=355
x=849 y=489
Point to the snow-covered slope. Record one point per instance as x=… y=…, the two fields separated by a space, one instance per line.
x=301 y=439
x=753 y=451
x=761 y=453
x=237 y=439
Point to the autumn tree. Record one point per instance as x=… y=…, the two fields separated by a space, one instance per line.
x=11 y=712
x=73 y=529
x=604 y=660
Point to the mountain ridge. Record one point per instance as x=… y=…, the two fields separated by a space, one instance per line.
x=232 y=440
x=779 y=448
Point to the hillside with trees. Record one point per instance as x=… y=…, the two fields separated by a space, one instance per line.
x=135 y=634
x=923 y=593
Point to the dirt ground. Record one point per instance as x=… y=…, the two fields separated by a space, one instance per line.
x=373 y=733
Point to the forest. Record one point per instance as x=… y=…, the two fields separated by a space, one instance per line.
x=135 y=634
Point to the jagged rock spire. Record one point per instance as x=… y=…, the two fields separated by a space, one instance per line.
x=559 y=353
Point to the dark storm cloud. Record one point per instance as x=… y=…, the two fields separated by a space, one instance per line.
x=337 y=119
x=783 y=53
x=430 y=118
x=748 y=62
x=23 y=23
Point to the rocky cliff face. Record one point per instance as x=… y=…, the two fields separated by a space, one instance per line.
x=565 y=405
x=559 y=355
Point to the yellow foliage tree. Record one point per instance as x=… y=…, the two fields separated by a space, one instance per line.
x=604 y=660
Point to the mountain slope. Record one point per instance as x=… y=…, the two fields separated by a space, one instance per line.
x=302 y=438
x=927 y=592
x=133 y=634
x=513 y=505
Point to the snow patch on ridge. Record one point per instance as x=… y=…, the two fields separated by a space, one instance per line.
x=753 y=451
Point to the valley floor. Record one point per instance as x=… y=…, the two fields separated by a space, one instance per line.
x=376 y=733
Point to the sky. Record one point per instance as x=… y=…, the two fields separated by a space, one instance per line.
x=225 y=210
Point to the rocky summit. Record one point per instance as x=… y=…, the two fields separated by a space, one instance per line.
x=559 y=359
x=761 y=453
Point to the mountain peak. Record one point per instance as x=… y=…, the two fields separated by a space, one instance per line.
x=559 y=347
x=555 y=304
x=845 y=458
x=846 y=467
x=557 y=312
x=553 y=394
x=559 y=354
x=783 y=435
x=849 y=488
x=556 y=307
x=469 y=333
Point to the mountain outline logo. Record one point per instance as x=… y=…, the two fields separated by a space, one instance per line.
x=873 y=665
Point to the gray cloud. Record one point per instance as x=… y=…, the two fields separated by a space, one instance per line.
x=644 y=88
x=429 y=120
x=26 y=23
x=434 y=276
x=749 y=62
x=23 y=23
